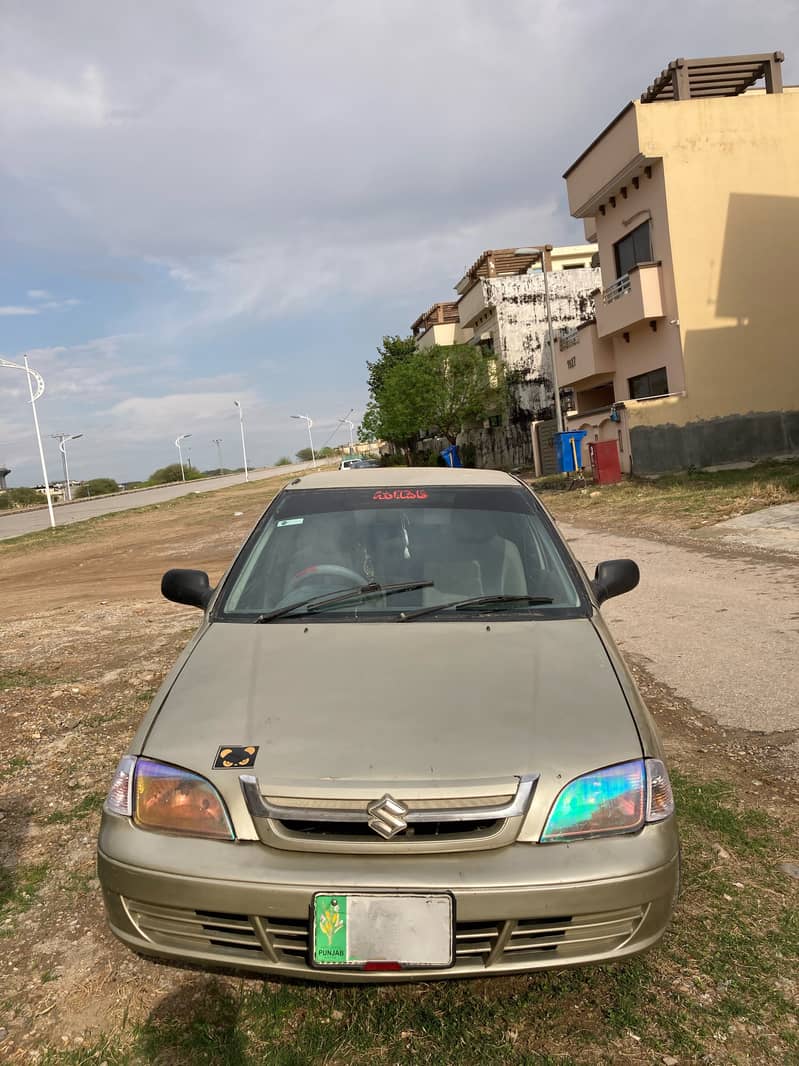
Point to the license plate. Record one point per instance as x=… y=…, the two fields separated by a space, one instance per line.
x=382 y=931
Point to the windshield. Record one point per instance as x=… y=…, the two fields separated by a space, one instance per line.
x=450 y=544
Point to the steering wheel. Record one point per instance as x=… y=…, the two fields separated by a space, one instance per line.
x=325 y=570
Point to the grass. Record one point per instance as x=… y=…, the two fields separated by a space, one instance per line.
x=20 y=679
x=688 y=500
x=717 y=989
x=19 y=888
x=14 y=764
x=90 y=803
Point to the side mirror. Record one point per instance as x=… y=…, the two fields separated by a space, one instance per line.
x=614 y=577
x=187 y=586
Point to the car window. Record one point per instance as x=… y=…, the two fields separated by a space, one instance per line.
x=469 y=542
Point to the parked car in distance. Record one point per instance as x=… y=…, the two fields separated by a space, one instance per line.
x=480 y=791
x=349 y=461
x=366 y=464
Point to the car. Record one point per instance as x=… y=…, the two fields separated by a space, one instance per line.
x=366 y=464
x=350 y=461
x=480 y=791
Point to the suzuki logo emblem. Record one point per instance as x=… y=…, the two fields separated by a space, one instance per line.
x=387 y=816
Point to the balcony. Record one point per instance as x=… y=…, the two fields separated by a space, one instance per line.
x=582 y=356
x=635 y=297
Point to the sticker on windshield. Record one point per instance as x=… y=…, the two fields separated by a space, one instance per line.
x=400 y=494
x=290 y=522
x=233 y=756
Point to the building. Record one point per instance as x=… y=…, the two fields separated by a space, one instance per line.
x=439 y=325
x=692 y=193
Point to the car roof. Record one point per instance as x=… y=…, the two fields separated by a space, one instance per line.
x=402 y=476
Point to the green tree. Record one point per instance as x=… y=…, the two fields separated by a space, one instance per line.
x=98 y=486
x=284 y=461
x=395 y=349
x=25 y=497
x=167 y=474
x=304 y=455
x=442 y=388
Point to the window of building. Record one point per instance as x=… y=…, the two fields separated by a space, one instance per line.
x=653 y=383
x=635 y=248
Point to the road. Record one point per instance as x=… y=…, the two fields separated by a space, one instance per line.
x=719 y=628
x=15 y=523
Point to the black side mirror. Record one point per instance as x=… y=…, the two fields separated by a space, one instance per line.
x=614 y=577
x=187 y=586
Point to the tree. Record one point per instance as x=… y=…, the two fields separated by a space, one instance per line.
x=98 y=486
x=304 y=455
x=395 y=350
x=283 y=461
x=443 y=388
x=167 y=474
x=25 y=497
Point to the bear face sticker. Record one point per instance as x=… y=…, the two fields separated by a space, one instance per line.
x=234 y=757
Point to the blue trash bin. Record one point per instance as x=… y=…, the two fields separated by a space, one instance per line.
x=565 y=454
x=450 y=456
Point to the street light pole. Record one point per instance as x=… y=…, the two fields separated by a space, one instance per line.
x=243 y=445
x=541 y=253
x=34 y=374
x=351 y=424
x=218 y=442
x=309 y=421
x=62 y=439
x=183 y=436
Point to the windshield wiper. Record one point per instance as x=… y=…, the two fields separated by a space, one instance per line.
x=474 y=601
x=315 y=602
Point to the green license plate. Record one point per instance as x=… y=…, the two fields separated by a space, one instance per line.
x=382 y=930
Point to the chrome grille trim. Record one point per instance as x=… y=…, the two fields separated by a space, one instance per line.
x=260 y=806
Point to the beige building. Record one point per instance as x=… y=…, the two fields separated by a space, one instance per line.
x=692 y=194
x=440 y=324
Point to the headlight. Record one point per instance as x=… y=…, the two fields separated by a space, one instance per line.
x=618 y=799
x=159 y=796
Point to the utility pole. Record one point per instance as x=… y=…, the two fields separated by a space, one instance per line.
x=218 y=442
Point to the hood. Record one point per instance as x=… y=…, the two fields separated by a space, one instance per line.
x=384 y=703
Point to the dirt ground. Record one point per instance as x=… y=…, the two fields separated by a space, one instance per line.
x=86 y=639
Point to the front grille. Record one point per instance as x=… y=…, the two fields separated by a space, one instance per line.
x=362 y=831
x=478 y=945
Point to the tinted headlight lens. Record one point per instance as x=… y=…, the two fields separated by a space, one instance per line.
x=606 y=801
x=178 y=801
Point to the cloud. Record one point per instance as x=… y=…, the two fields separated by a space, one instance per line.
x=38 y=294
x=11 y=311
x=59 y=305
x=272 y=163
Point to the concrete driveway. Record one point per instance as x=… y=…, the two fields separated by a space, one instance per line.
x=773 y=528
x=720 y=629
x=15 y=523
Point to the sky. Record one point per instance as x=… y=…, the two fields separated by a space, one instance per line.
x=205 y=202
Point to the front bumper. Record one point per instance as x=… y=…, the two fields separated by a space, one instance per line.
x=522 y=907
